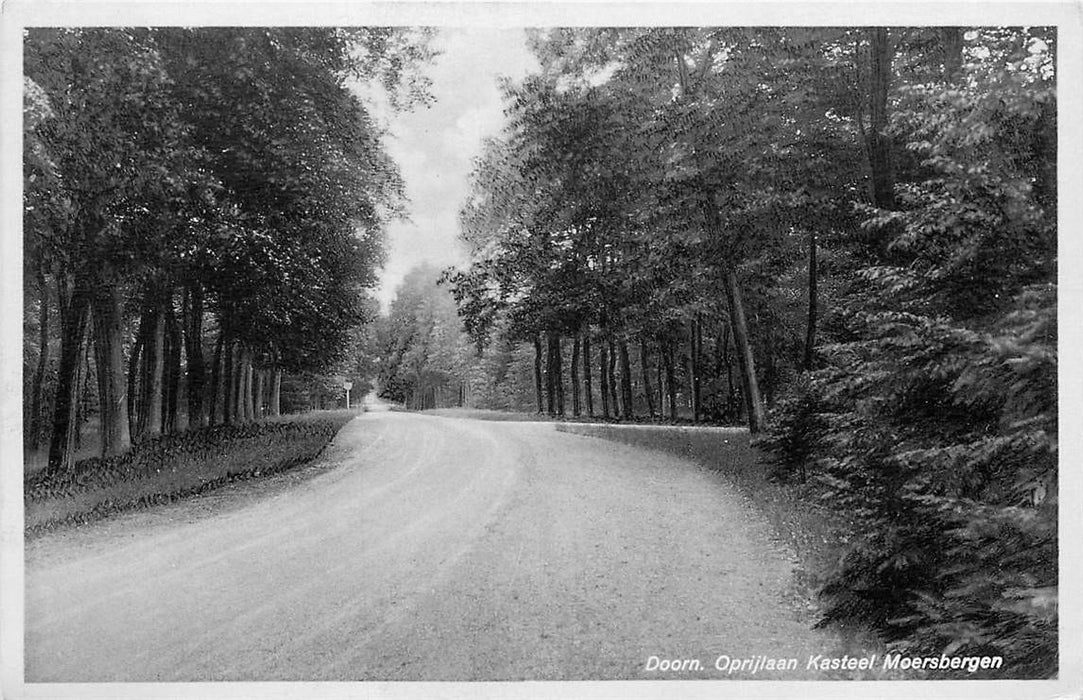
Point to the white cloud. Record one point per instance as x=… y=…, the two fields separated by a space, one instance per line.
x=435 y=147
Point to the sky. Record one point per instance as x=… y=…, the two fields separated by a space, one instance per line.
x=435 y=146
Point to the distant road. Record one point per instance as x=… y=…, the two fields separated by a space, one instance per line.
x=429 y=548
x=374 y=403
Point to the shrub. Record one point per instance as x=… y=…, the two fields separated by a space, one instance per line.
x=936 y=419
x=169 y=467
x=798 y=429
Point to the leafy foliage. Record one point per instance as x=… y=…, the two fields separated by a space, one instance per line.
x=934 y=419
x=186 y=181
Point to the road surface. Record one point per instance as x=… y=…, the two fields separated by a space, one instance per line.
x=424 y=548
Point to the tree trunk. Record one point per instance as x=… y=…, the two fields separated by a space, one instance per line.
x=660 y=380
x=83 y=405
x=241 y=374
x=687 y=371
x=877 y=141
x=558 y=375
x=249 y=399
x=36 y=424
x=951 y=39
x=1045 y=147
x=193 y=353
x=696 y=361
x=276 y=394
x=618 y=410
x=745 y=360
x=260 y=385
x=739 y=325
x=810 y=327
x=603 y=376
x=214 y=409
x=733 y=403
x=242 y=385
x=538 y=372
x=671 y=376
x=153 y=366
x=588 y=388
x=135 y=372
x=645 y=369
x=236 y=391
x=107 y=314
x=575 y=375
x=552 y=375
x=626 y=381
x=770 y=375
x=172 y=374
x=75 y=319
x=229 y=396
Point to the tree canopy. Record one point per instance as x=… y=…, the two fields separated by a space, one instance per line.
x=852 y=228
x=193 y=181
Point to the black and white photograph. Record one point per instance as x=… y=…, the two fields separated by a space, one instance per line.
x=540 y=350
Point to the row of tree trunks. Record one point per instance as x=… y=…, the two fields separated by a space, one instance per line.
x=617 y=393
x=242 y=389
x=143 y=399
x=427 y=396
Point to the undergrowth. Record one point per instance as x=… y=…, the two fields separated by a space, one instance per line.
x=170 y=467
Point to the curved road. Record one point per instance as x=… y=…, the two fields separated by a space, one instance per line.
x=424 y=548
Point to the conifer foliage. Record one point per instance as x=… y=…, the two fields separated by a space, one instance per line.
x=933 y=418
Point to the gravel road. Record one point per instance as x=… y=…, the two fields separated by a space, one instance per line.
x=425 y=548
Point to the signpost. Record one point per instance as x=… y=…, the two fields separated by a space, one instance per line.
x=347 y=385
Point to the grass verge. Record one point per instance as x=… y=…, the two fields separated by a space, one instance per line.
x=487 y=414
x=170 y=467
x=534 y=417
